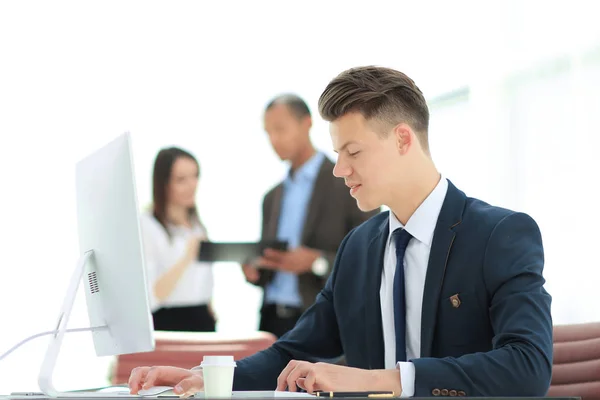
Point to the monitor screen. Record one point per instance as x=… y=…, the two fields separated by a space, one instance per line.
x=111 y=265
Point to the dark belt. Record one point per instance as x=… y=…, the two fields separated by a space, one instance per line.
x=284 y=311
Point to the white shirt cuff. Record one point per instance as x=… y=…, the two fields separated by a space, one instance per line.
x=407 y=378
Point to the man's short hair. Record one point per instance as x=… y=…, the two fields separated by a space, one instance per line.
x=295 y=104
x=381 y=95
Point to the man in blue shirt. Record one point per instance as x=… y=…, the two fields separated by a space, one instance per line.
x=311 y=210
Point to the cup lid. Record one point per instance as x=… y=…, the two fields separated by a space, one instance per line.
x=218 y=361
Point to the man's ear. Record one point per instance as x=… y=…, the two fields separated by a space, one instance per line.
x=404 y=137
x=307 y=122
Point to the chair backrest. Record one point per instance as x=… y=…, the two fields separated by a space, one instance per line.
x=576 y=365
x=186 y=350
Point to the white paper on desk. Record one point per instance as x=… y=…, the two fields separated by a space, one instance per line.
x=268 y=393
x=114 y=389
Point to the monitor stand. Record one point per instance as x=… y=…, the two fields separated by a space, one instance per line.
x=47 y=368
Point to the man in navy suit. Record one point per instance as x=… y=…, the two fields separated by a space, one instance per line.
x=441 y=296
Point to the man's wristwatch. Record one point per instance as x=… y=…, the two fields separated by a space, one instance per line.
x=320 y=266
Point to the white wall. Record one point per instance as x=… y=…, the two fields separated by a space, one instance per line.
x=75 y=74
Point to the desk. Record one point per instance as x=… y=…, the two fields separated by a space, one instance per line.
x=354 y=398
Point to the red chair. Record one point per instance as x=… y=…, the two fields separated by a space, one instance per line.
x=186 y=350
x=576 y=366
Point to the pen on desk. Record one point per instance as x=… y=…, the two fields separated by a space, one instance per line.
x=355 y=394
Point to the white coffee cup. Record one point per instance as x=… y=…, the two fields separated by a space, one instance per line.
x=218 y=376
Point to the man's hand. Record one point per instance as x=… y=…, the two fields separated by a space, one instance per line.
x=185 y=382
x=298 y=261
x=329 y=377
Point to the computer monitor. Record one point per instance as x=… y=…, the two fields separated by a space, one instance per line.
x=111 y=264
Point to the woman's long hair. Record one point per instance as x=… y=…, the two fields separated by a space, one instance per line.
x=163 y=166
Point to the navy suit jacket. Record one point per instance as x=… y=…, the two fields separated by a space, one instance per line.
x=497 y=342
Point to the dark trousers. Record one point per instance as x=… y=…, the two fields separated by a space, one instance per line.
x=190 y=319
x=278 y=319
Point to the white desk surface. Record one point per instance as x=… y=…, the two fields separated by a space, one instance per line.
x=269 y=394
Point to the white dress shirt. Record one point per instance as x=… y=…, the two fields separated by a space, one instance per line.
x=161 y=253
x=421 y=226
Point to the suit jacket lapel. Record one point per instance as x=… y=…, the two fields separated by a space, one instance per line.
x=275 y=209
x=443 y=237
x=318 y=196
x=374 y=269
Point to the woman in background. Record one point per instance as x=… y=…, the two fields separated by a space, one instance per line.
x=180 y=287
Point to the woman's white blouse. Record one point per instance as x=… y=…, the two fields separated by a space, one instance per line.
x=161 y=253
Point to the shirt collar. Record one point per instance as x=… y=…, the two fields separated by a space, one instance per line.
x=421 y=224
x=309 y=169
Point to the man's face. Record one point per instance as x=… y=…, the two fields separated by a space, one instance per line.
x=287 y=133
x=368 y=162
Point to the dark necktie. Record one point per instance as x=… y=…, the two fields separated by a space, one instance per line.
x=401 y=239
